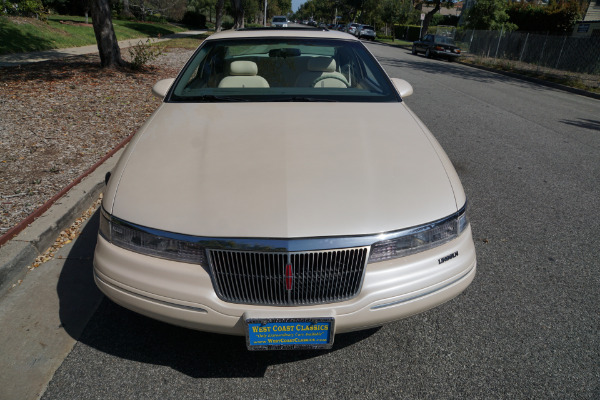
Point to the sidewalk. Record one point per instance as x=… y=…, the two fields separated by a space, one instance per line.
x=42 y=318
x=44 y=310
x=43 y=314
x=10 y=60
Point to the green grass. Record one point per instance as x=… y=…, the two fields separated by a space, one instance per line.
x=18 y=35
x=190 y=43
x=396 y=42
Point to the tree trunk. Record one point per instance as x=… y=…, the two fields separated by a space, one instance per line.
x=126 y=11
x=238 y=14
x=108 y=46
x=219 y=15
x=429 y=16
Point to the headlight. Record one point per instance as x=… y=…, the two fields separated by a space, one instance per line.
x=192 y=249
x=420 y=238
x=150 y=242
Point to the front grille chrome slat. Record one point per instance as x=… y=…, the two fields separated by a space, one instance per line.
x=259 y=278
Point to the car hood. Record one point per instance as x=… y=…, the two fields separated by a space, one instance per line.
x=282 y=170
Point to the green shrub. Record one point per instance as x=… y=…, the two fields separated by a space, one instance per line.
x=194 y=19
x=156 y=18
x=24 y=8
x=407 y=32
x=142 y=53
x=439 y=19
x=558 y=17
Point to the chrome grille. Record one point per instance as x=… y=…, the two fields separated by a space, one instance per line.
x=263 y=278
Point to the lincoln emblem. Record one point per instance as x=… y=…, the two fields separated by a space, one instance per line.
x=288 y=277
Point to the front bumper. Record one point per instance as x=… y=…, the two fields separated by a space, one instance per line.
x=182 y=294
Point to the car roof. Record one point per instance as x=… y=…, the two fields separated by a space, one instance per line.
x=281 y=32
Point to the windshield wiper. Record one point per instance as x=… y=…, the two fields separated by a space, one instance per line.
x=308 y=99
x=209 y=98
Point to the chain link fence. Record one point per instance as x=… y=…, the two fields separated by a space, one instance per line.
x=561 y=56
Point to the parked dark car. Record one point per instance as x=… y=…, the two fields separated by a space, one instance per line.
x=437 y=46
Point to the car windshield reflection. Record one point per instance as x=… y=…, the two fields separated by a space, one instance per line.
x=268 y=69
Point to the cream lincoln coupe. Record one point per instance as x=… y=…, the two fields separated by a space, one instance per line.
x=283 y=191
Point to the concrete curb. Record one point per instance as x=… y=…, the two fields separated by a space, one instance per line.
x=20 y=252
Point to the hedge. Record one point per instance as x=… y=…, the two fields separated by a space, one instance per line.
x=410 y=33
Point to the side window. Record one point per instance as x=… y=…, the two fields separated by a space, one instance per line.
x=207 y=69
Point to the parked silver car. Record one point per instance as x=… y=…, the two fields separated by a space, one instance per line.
x=286 y=236
x=351 y=28
x=279 y=22
x=365 y=31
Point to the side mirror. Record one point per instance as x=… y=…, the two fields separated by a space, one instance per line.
x=161 y=88
x=404 y=88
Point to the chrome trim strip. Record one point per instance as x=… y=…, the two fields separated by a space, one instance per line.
x=152 y=299
x=286 y=245
x=394 y=303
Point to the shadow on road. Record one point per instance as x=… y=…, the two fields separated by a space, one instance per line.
x=119 y=332
x=591 y=124
x=436 y=66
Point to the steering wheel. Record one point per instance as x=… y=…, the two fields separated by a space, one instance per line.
x=337 y=77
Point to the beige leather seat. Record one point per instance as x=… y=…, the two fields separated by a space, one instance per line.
x=321 y=72
x=243 y=74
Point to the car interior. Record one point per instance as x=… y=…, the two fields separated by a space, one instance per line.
x=280 y=68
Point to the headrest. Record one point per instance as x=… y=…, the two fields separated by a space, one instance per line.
x=243 y=68
x=321 y=64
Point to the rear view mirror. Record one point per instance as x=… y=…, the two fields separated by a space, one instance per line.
x=161 y=88
x=404 y=88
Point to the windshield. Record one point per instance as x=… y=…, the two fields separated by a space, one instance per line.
x=279 y=19
x=282 y=69
x=444 y=40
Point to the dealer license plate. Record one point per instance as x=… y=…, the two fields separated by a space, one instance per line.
x=289 y=333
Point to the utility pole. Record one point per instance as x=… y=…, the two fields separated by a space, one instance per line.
x=265 y=17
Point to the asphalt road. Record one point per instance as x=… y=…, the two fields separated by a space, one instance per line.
x=527 y=328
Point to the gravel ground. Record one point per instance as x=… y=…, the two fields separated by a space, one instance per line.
x=58 y=118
